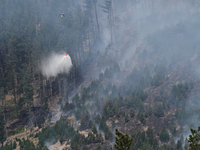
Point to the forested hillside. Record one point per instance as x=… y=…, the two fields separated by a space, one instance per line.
x=135 y=69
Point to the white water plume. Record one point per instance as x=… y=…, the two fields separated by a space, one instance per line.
x=56 y=64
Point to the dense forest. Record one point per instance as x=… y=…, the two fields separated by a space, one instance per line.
x=30 y=32
x=135 y=69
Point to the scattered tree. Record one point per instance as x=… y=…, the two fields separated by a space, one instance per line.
x=194 y=139
x=164 y=136
x=2 y=127
x=122 y=141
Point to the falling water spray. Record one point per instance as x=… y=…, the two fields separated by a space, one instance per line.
x=56 y=64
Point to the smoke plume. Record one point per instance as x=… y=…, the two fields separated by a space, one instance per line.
x=56 y=64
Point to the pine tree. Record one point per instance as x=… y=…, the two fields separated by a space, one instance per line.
x=94 y=129
x=179 y=145
x=2 y=124
x=127 y=118
x=2 y=98
x=27 y=86
x=132 y=112
x=108 y=9
x=164 y=136
x=91 y=13
x=194 y=139
x=122 y=141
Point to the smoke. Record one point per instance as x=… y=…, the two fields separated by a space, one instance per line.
x=143 y=36
x=48 y=143
x=56 y=64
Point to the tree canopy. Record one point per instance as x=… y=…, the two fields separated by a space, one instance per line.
x=122 y=141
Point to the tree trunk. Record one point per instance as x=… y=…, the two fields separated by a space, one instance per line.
x=59 y=85
x=43 y=85
x=92 y=24
x=3 y=101
x=5 y=122
x=40 y=84
x=31 y=121
x=15 y=95
x=96 y=17
x=2 y=71
x=113 y=19
x=2 y=97
x=15 y=81
x=50 y=87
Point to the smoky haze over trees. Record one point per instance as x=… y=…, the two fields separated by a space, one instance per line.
x=31 y=32
x=135 y=68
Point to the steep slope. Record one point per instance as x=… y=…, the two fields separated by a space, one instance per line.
x=145 y=82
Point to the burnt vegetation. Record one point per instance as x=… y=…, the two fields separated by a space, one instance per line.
x=149 y=91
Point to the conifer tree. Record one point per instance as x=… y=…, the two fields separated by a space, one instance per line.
x=2 y=98
x=194 y=139
x=108 y=9
x=2 y=124
x=122 y=141
x=27 y=86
